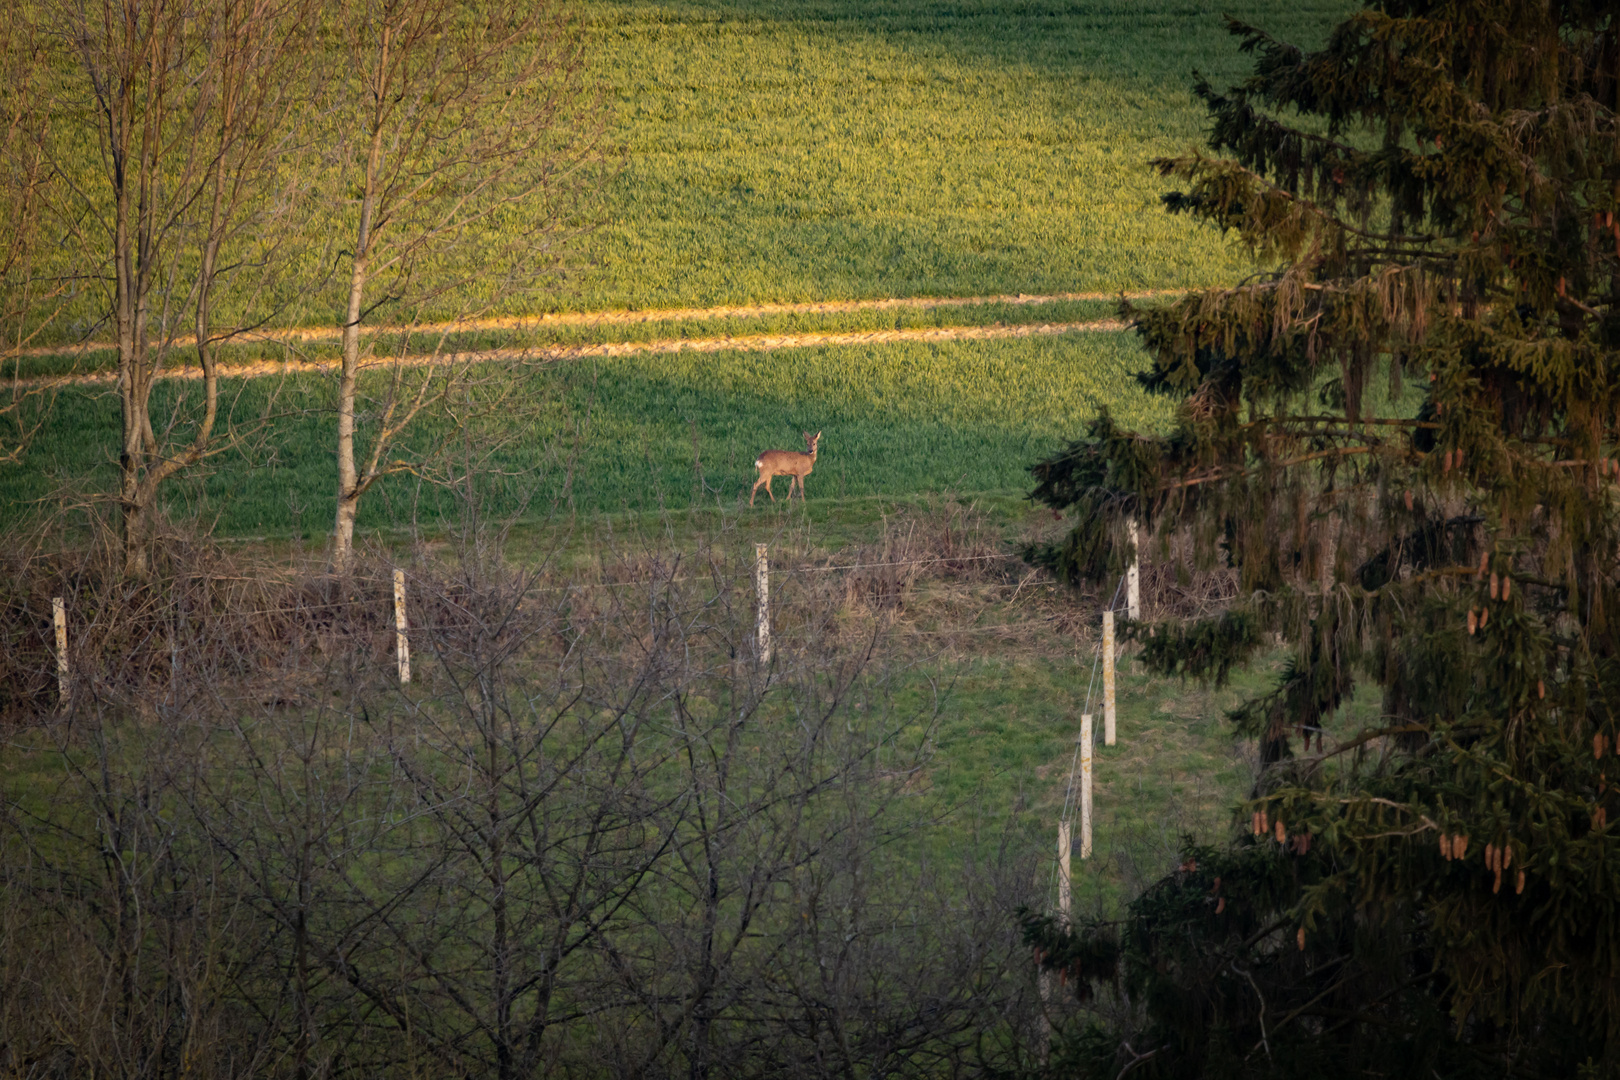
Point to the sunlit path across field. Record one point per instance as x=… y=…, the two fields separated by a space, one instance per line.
x=653 y=315
x=759 y=343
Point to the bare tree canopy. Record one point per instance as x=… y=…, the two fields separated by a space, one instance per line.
x=445 y=118
x=593 y=837
x=170 y=126
x=205 y=168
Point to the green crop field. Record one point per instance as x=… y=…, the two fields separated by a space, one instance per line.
x=844 y=149
x=898 y=148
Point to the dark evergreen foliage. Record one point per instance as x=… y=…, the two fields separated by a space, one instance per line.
x=1404 y=435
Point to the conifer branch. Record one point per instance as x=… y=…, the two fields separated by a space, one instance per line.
x=1338 y=451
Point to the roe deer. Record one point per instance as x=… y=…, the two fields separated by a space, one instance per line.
x=785 y=463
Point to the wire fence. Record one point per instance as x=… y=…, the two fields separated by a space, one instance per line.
x=380 y=601
x=642 y=583
x=1072 y=791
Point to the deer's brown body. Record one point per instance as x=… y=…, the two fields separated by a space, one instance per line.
x=785 y=463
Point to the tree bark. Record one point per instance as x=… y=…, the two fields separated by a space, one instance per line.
x=119 y=117
x=350 y=485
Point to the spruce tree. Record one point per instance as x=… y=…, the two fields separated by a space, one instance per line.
x=1403 y=435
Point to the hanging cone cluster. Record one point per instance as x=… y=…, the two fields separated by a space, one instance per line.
x=1497 y=860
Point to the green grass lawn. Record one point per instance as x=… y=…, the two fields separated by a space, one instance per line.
x=1175 y=771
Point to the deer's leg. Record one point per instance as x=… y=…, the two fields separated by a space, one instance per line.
x=764 y=478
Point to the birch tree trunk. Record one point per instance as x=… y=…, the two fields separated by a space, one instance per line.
x=350 y=487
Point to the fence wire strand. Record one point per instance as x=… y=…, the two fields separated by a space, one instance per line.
x=1072 y=790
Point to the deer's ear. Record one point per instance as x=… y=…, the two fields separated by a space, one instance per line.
x=818 y=434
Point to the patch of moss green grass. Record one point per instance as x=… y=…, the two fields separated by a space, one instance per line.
x=1010 y=727
x=1004 y=752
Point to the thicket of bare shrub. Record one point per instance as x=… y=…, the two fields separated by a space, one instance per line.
x=595 y=837
x=953 y=565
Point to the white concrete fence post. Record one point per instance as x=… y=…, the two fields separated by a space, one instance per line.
x=402 y=643
x=762 y=586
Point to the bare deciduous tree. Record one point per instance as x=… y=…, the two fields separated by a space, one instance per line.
x=466 y=139
x=192 y=105
x=594 y=838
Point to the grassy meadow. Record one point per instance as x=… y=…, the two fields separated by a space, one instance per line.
x=768 y=153
x=845 y=150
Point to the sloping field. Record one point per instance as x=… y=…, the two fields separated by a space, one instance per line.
x=836 y=159
x=849 y=149
x=841 y=150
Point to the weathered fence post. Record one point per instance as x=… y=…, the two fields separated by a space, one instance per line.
x=1108 y=678
x=401 y=642
x=1133 y=578
x=762 y=586
x=1085 y=786
x=1044 y=977
x=1065 y=849
x=59 y=616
